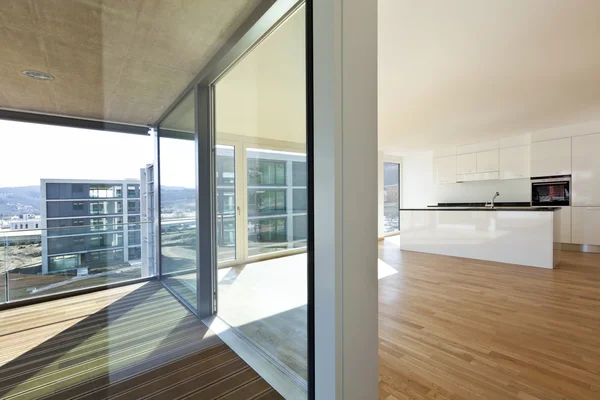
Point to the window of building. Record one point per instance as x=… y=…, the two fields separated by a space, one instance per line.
x=77 y=188
x=133 y=206
x=265 y=172
x=36 y=225
x=299 y=173
x=98 y=224
x=132 y=191
x=77 y=206
x=135 y=253
x=299 y=200
x=132 y=219
x=59 y=263
x=96 y=241
x=266 y=201
x=391 y=197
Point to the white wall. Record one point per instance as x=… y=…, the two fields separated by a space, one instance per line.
x=418 y=189
x=417 y=180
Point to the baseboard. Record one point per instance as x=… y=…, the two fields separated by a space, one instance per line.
x=583 y=248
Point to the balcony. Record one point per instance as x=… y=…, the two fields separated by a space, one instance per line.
x=130 y=342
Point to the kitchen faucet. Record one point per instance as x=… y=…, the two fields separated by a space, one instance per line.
x=491 y=205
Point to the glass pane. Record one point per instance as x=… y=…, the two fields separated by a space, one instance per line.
x=62 y=217
x=261 y=105
x=226 y=203
x=391 y=197
x=3 y=268
x=275 y=204
x=178 y=230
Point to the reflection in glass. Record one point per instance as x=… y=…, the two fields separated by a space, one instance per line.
x=391 y=197
x=178 y=229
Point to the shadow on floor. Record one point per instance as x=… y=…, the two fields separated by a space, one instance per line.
x=17 y=373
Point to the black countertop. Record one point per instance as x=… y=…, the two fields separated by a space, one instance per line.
x=497 y=203
x=483 y=208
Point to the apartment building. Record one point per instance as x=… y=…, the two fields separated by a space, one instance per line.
x=90 y=223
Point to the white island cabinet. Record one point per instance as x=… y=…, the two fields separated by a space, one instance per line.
x=527 y=236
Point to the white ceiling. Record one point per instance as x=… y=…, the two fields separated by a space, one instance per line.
x=463 y=71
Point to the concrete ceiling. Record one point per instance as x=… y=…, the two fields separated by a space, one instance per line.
x=116 y=60
x=463 y=71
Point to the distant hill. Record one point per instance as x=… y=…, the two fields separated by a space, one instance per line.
x=26 y=200
x=19 y=200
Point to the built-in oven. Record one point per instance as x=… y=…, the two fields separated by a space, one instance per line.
x=551 y=191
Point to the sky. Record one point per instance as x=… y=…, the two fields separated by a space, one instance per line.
x=30 y=152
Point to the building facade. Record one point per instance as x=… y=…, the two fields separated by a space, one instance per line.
x=87 y=224
x=25 y=222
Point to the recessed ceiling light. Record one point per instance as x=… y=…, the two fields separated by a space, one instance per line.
x=42 y=76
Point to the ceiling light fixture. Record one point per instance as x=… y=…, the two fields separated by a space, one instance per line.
x=41 y=76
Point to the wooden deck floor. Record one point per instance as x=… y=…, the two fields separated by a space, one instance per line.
x=452 y=328
x=131 y=342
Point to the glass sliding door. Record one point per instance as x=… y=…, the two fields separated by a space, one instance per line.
x=178 y=224
x=260 y=106
x=391 y=197
x=226 y=203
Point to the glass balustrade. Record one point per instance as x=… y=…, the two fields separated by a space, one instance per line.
x=39 y=262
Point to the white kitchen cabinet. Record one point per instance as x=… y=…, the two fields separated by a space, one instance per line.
x=444 y=170
x=487 y=161
x=514 y=162
x=466 y=164
x=585 y=225
x=585 y=178
x=550 y=158
x=565 y=225
x=480 y=176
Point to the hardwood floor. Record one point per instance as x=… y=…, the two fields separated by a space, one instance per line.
x=452 y=328
x=131 y=342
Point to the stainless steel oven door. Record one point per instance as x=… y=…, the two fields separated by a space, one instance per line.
x=551 y=191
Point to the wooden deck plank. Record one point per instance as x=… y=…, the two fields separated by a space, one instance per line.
x=128 y=341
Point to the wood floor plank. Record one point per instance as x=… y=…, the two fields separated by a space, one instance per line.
x=454 y=328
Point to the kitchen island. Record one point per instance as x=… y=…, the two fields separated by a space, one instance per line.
x=516 y=235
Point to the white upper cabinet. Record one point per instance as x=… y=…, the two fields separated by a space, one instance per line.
x=552 y=157
x=487 y=161
x=586 y=171
x=514 y=162
x=444 y=170
x=466 y=164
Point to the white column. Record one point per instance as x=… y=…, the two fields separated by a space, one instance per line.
x=345 y=141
